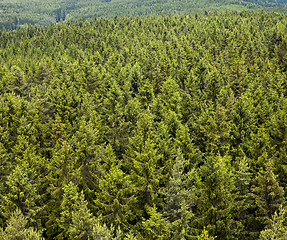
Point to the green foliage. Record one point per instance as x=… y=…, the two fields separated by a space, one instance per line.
x=204 y=236
x=15 y=14
x=17 y=228
x=276 y=229
x=84 y=225
x=145 y=175
x=155 y=227
x=217 y=197
x=22 y=193
x=179 y=199
x=158 y=127
x=268 y=197
x=101 y=232
x=244 y=204
x=115 y=199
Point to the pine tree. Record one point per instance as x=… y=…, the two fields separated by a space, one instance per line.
x=59 y=182
x=21 y=192
x=155 y=226
x=170 y=95
x=185 y=143
x=9 y=123
x=67 y=206
x=268 y=196
x=278 y=133
x=17 y=81
x=87 y=155
x=277 y=228
x=84 y=225
x=17 y=229
x=179 y=200
x=145 y=175
x=82 y=222
x=243 y=202
x=205 y=236
x=113 y=116
x=216 y=197
x=164 y=139
x=114 y=199
x=146 y=94
x=102 y=232
x=142 y=166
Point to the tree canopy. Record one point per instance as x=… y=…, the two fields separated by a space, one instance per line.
x=157 y=127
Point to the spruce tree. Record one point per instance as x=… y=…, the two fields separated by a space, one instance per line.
x=268 y=196
x=145 y=176
x=179 y=199
x=216 y=197
x=82 y=222
x=17 y=228
x=21 y=192
x=243 y=202
x=115 y=198
x=155 y=226
x=277 y=228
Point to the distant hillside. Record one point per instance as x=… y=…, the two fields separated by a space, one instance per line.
x=14 y=13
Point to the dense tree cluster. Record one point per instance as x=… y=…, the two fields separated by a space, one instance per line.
x=15 y=13
x=145 y=128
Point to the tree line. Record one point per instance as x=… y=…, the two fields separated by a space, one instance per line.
x=15 y=14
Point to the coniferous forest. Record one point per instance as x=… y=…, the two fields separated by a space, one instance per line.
x=20 y=13
x=158 y=127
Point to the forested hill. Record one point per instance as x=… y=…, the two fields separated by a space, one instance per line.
x=145 y=128
x=14 y=13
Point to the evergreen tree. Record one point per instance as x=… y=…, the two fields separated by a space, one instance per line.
x=145 y=176
x=69 y=203
x=17 y=80
x=277 y=228
x=21 y=188
x=86 y=153
x=268 y=196
x=83 y=223
x=179 y=200
x=17 y=228
x=156 y=226
x=93 y=113
x=243 y=205
x=114 y=199
x=216 y=199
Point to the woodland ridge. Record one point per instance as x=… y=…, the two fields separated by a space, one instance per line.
x=21 y=13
